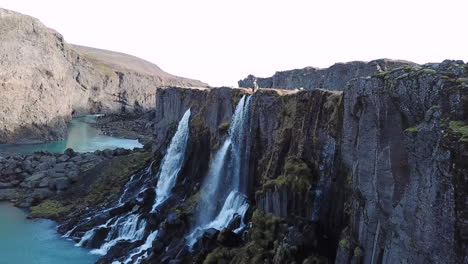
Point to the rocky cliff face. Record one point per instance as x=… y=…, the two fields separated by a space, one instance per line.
x=399 y=149
x=333 y=78
x=376 y=172
x=44 y=80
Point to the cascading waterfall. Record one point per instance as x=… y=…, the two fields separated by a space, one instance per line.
x=134 y=183
x=224 y=177
x=172 y=161
x=131 y=226
x=142 y=249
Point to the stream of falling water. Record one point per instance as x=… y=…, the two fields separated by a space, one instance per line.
x=224 y=177
x=131 y=226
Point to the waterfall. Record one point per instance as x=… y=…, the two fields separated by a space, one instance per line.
x=172 y=161
x=135 y=183
x=143 y=248
x=224 y=177
x=131 y=226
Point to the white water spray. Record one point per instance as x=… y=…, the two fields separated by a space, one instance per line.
x=172 y=161
x=131 y=227
x=224 y=177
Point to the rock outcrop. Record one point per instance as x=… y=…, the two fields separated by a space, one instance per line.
x=333 y=78
x=44 y=80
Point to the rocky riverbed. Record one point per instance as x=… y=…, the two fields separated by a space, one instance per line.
x=138 y=126
x=27 y=179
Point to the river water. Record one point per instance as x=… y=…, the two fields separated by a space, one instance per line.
x=24 y=241
x=82 y=137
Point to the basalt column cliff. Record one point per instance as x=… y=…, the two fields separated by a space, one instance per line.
x=357 y=163
x=375 y=173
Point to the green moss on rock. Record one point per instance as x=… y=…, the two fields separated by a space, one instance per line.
x=412 y=130
x=427 y=71
x=296 y=175
x=114 y=176
x=358 y=252
x=221 y=255
x=223 y=128
x=51 y=209
x=460 y=128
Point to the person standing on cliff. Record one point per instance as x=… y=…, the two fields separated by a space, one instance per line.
x=254 y=86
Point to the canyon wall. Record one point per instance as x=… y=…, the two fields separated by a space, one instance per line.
x=378 y=169
x=375 y=173
x=44 y=80
x=400 y=148
x=333 y=78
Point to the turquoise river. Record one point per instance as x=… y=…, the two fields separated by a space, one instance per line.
x=25 y=241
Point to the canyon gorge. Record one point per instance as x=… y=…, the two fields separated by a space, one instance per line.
x=362 y=162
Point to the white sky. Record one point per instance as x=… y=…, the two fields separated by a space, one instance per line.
x=221 y=41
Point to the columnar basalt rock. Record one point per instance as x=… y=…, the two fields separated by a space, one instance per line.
x=378 y=167
x=372 y=170
x=397 y=126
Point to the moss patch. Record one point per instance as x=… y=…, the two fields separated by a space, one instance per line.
x=221 y=255
x=460 y=128
x=296 y=175
x=412 y=129
x=50 y=209
x=114 y=176
x=427 y=71
x=223 y=128
x=462 y=80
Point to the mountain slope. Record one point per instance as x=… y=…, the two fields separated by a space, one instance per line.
x=44 y=80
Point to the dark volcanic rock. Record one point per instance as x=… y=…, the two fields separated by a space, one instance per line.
x=377 y=168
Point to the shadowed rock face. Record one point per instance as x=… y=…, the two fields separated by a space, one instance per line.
x=397 y=144
x=379 y=167
x=372 y=174
x=333 y=78
x=43 y=80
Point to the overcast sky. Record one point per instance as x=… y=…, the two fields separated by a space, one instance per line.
x=220 y=41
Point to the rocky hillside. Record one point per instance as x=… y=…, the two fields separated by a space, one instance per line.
x=333 y=78
x=44 y=80
x=372 y=174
